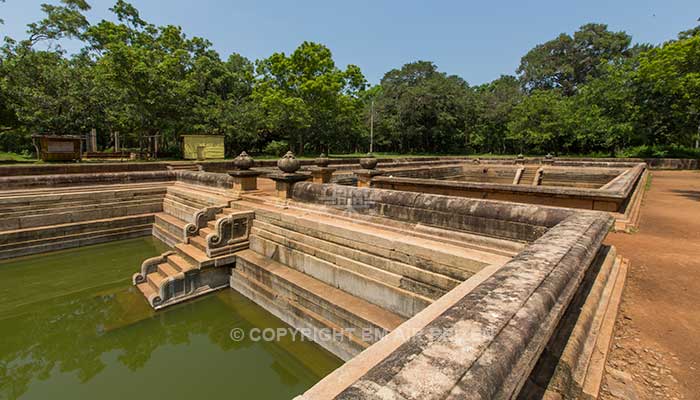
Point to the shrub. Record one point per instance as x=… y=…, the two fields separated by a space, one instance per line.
x=657 y=151
x=276 y=148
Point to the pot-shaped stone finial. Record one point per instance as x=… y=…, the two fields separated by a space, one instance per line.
x=549 y=156
x=368 y=162
x=322 y=161
x=521 y=156
x=288 y=163
x=243 y=161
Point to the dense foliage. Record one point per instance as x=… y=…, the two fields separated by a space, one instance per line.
x=592 y=92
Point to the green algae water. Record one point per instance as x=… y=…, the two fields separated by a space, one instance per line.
x=73 y=327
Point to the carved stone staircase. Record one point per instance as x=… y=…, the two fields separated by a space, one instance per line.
x=531 y=176
x=204 y=234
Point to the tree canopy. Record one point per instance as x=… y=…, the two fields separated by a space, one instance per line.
x=591 y=91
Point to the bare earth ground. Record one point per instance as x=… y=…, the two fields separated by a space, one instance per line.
x=656 y=348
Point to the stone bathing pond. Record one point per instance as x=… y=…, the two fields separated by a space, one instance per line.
x=67 y=334
x=474 y=279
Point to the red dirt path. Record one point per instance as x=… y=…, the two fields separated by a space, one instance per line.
x=657 y=338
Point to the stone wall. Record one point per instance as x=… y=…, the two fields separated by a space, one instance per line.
x=209 y=179
x=84 y=168
x=511 y=221
x=110 y=178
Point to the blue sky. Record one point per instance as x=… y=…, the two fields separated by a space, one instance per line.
x=478 y=41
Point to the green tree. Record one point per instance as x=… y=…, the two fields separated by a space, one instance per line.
x=308 y=101
x=668 y=82
x=605 y=110
x=567 y=62
x=421 y=109
x=496 y=101
x=541 y=123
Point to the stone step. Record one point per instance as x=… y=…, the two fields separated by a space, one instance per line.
x=193 y=204
x=198 y=242
x=497 y=251
x=168 y=270
x=203 y=232
x=147 y=290
x=53 y=231
x=198 y=196
x=156 y=278
x=76 y=236
x=85 y=200
x=165 y=236
x=63 y=208
x=327 y=245
x=349 y=324
x=435 y=256
x=172 y=224
x=334 y=338
x=383 y=294
x=180 y=264
x=214 y=192
x=46 y=195
x=193 y=255
x=401 y=275
x=224 y=213
x=179 y=210
x=176 y=280
x=121 y=209
x=77 y=240
x=294 y=284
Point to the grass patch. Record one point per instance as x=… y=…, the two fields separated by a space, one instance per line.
x=647 y=184
x=13 y=158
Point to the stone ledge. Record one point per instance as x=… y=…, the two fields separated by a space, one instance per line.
x=493 y=218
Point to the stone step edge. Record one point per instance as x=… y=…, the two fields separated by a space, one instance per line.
x=77 y=209
x=467 y=240
x=67 y=244
x=331 y=321
x=345 y=351
x=51 y=193
x=316 y=299
x=54 y=203
x=82 y=235
x=399 y=301
x=71 y=224
x=387 y=246
x=412 y=245
x=448 y=282
x=380 y=274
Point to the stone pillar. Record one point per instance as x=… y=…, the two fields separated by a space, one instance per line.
x=284 y=183
x=364 y=176
x=244 y=180
x=285 y=180
x=368 y=171
x=321 y=173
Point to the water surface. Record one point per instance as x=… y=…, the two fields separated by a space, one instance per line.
x=73 y=327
